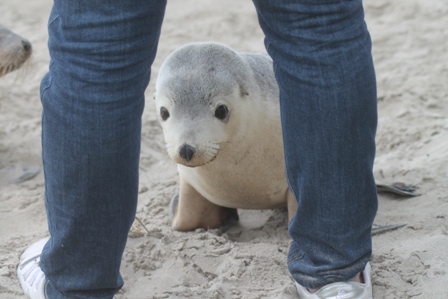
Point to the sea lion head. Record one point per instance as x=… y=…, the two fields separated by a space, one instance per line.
x=14 y=51
x=200 y=91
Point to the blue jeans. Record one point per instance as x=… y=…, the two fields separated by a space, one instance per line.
x=323 y=65
x=93 y=98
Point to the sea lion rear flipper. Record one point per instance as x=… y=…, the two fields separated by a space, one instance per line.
x=399 y=189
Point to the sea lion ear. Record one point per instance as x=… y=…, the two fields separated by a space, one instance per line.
x=154 y=96
x=243 y=90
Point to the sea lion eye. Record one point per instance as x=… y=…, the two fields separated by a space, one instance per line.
x=221 y=112
x=164 y=114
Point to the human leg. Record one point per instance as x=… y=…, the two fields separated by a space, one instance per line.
x=93 y=97
x=323 y=65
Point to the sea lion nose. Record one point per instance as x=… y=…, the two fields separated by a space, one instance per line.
x=26 y=45
x=186 y=151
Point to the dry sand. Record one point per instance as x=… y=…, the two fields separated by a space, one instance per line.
x=410 y=40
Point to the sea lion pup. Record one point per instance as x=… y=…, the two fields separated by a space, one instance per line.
x=220 y=115
x=219 y=111
x=14 y=51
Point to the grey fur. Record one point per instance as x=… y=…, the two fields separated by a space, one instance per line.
x=212 y=60
x=14 y=51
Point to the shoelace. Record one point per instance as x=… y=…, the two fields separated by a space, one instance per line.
x=32 y=272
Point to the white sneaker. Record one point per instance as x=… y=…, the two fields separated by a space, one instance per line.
x=341 y=290
x=31 y=277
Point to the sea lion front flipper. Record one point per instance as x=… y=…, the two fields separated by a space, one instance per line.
x=190 y=210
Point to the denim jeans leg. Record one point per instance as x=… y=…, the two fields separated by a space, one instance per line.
x=323 y=65
x=93 y=98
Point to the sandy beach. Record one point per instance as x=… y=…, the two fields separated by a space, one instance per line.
x=410 y=49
